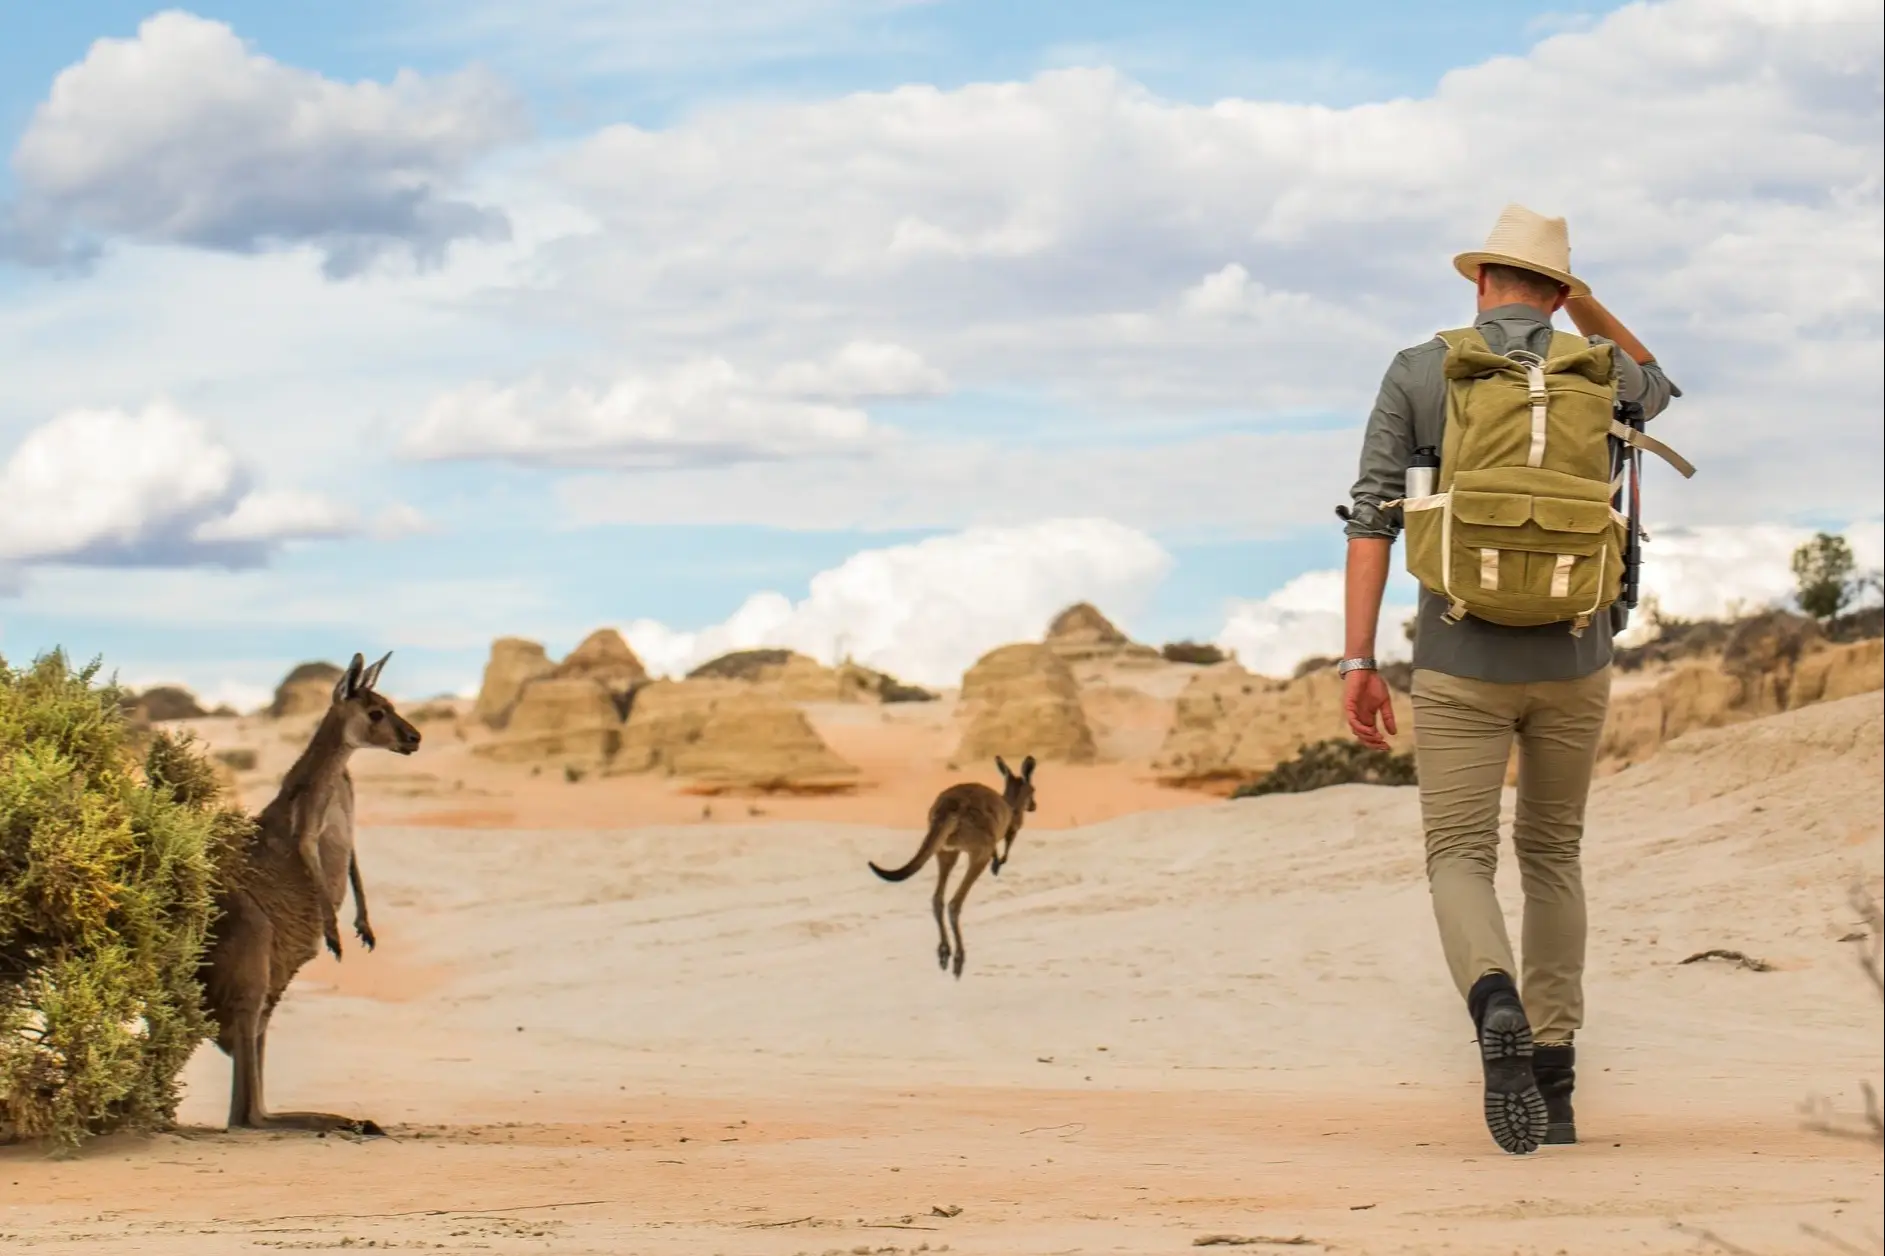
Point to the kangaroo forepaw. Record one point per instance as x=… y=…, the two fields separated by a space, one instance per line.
x=333 y=940
x=365 y=933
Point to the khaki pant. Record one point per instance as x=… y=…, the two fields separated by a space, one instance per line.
x=1463 y=731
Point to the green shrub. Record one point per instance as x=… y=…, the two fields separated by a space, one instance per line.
x=1822 y=572
x=107 y=875
x=1337 y=761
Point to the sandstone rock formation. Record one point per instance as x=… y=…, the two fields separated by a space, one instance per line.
x=726 y=734
x=792 y=676
x=1230 y=726
x=307 y=690
x=160 y=703
x=606 y=659
x=1081 y=634
x=1771 y=663
x=559 y=719
x=514 y=663
x=1022 y=700
x=798 y=678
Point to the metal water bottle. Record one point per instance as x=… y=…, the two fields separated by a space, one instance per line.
x=1423 y=472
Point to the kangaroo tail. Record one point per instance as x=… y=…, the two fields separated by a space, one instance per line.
x=931 y=840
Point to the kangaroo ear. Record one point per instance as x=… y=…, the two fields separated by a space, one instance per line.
x=371 y=678
x=349 y=683
x=1027 y=768
x=1006 y=775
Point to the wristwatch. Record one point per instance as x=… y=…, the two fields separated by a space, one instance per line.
x=1346 y=666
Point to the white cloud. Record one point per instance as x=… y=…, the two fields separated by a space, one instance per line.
x=1232 y=485
x=182 y=134
x=400 y=519
x=155 y=487
x=1075 y=236
x=267 y=516
x=1303 y=619
x=702 y=412
x=1712 y=572
x=863 y=368
x=926 y=611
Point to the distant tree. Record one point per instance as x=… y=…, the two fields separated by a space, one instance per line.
x=1822 y=572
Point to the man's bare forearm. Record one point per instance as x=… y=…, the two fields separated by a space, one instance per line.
x=1594 y=320
x=1366 y=579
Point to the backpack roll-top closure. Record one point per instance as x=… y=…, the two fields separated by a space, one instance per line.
x=1520 y=530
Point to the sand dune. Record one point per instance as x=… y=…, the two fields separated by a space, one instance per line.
x=1227 y=1019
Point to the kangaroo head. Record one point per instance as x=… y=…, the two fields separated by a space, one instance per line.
x=1017 y=790
x=367 y=719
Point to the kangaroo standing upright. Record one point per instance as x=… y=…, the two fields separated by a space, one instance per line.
x=969 y=819
x=284 y=898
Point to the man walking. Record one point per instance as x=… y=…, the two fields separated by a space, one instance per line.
x=1513 y=635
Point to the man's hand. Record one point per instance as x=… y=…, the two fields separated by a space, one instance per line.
x=1365 y=698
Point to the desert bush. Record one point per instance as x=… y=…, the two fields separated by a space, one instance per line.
x=890 y=689
x=240 y=759
x=107 y=875
x=1336 y=761
x=1196 y=653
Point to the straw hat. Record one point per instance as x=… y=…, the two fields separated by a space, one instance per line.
x=1528 y=241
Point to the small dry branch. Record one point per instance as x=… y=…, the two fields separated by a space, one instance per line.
x=1748 y=962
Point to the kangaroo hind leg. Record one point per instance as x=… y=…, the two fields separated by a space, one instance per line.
x=945 y=864
x=977 y=862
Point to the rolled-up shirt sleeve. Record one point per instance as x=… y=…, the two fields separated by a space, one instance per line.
x=1644 y=383
x=1385 y=449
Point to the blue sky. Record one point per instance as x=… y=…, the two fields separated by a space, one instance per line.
x=548 y=316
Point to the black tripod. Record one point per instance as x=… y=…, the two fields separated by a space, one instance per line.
x=1626 y=461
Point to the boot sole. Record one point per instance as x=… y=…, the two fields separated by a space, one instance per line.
x=1515 y=1109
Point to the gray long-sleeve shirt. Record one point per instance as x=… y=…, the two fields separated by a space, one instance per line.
x=1411 y=411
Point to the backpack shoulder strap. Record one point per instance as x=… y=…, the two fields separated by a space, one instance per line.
x=1565 y=343
x=1460 y=337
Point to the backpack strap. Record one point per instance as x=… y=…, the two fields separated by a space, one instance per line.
x=1649 y=444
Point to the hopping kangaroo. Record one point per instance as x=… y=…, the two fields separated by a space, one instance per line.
x=284 y=898
x=969 y=819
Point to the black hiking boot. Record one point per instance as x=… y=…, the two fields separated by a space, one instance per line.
x=1556 y=1073
x=1515 y=1111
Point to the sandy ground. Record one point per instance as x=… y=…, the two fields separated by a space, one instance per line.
x=1224 y=1020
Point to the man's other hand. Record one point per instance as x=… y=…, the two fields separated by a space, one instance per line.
x=1365 y=699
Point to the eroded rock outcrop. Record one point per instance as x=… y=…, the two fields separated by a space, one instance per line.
x=1023 y=700
x=514 y=663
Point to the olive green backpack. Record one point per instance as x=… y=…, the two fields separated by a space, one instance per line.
x=1520 y=529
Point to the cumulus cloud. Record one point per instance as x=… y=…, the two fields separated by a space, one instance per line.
x=926 y=611
x=156 y=487
x=1076 y=236
x=1227 y=485
x=1301 y=620
x=863 y=368
x=1711 y=572
x=703 y=412
x=183 y=135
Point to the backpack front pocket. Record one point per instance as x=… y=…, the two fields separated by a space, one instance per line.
x=1522 y=559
